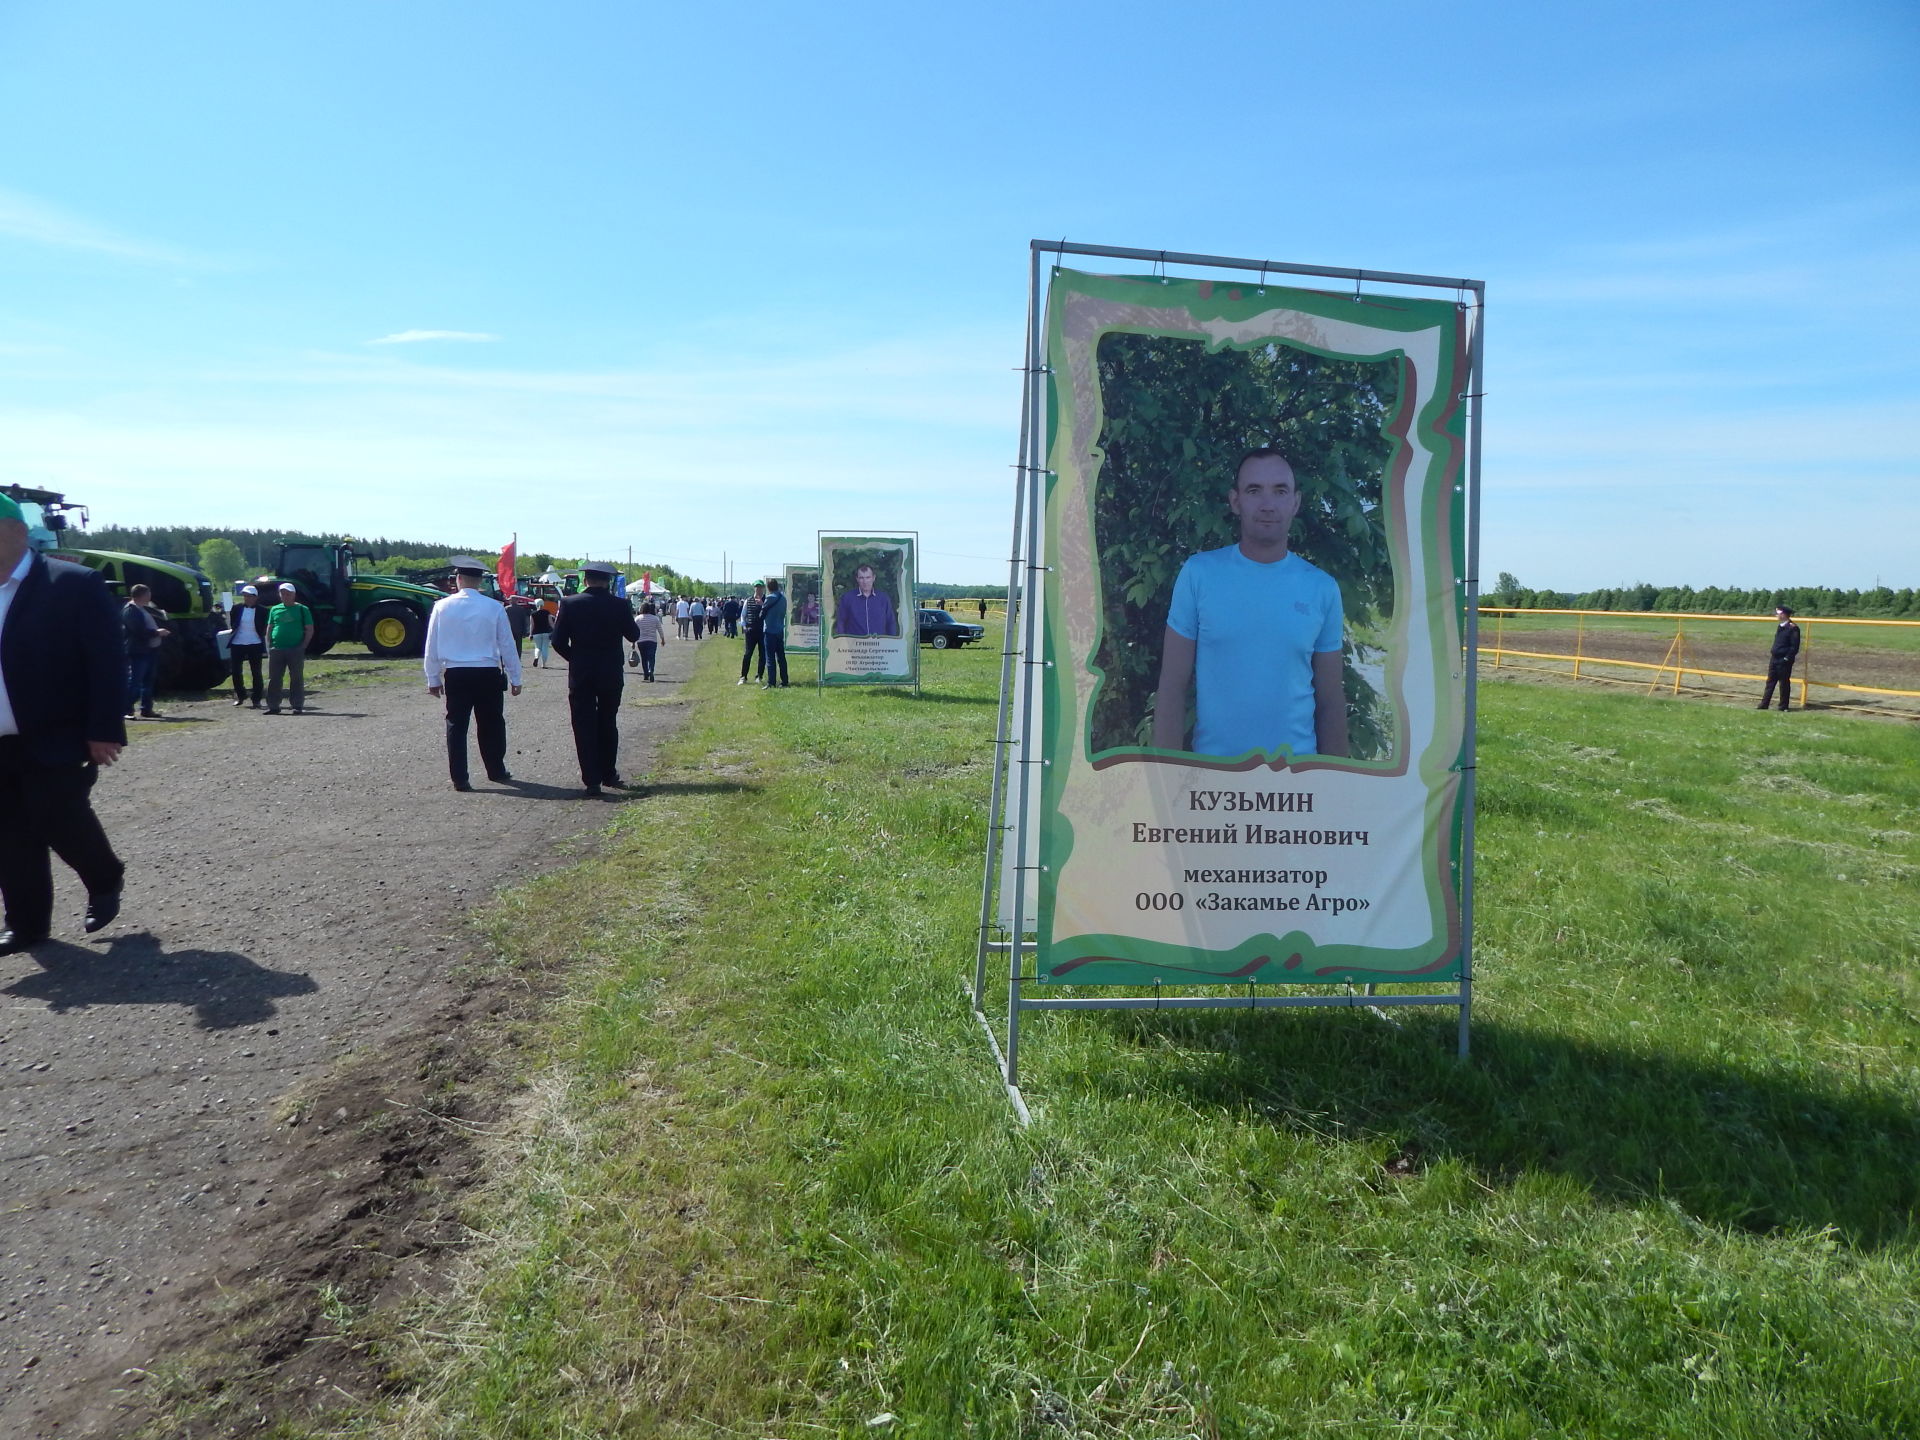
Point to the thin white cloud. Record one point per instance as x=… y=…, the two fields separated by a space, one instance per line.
x=24 y=217
x=414 y=337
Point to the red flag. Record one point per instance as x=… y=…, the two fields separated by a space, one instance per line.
x=505 y=569
x=646 y=582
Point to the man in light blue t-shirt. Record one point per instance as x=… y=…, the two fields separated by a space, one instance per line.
x=1258 y=631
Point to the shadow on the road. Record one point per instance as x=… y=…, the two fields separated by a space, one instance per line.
x=696 y=787
x=935 y=697
x=311 y=713
x=165 y=719
x=530 y=790
x=223 y=989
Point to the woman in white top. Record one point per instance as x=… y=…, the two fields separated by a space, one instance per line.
x=653 y=634
x=247 y=642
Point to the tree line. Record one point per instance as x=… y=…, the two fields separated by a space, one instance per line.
x=1878 y=603
x=228 y=556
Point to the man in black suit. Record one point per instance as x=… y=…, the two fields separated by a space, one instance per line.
x=63 y=679
x=591 y=634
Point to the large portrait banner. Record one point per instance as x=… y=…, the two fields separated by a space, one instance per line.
x=803 y=607
x=872 y=626
x=1254 y=707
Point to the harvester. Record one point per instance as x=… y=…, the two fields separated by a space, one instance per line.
x=190 y=658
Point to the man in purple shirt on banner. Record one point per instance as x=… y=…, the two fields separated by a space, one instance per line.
x=865 y=610
x=1257 y=631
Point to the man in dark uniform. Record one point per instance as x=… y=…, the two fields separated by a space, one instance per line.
x=591 y=634
x=63 y=680
x=1786 y=649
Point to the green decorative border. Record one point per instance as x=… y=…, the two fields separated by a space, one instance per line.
x=1098 y=959
x=910 y=582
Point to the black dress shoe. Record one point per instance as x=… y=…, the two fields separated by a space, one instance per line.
x=101 y=911
x=615 y=781
x=463 y=785
x=590 y=792
x=12 y=942
x=500 y=777
x=239 y=703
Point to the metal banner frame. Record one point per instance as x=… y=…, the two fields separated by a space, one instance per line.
x=1015 y=755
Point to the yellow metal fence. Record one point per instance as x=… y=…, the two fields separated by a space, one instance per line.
x=1679 y=662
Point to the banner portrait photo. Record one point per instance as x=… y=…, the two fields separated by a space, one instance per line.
x=1254 y=706
x=803 y=607
x=872 y=634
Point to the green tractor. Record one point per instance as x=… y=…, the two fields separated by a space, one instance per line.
x=386 y=615
x=190 y=659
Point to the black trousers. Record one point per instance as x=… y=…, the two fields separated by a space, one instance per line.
x=238 y=655
x=594 y=701
x=754 y=655
x=478 y=693
x=48 y=813
x=1779 y=672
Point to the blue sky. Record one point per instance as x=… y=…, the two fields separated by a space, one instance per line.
x=705 y=279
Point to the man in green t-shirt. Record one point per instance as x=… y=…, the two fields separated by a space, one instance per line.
x=289 y=631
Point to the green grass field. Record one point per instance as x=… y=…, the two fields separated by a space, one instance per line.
x=763 y=1181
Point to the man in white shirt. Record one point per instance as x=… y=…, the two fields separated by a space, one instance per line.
x=682 y=616
x=469 y=646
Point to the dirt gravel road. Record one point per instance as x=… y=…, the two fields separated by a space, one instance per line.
x=298 y=890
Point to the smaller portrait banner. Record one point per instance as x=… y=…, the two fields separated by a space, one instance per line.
x=872 y=634
x=803 y=607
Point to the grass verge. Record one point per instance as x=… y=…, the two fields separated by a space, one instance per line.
x=763 y=1181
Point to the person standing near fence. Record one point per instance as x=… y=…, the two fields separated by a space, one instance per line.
x=1786 y=649
x=289 y=632
x=588 y=636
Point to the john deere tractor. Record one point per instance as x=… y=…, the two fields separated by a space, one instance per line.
x=386 y=615
x=190 y=658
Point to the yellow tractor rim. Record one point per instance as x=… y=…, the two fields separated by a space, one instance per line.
x=390 y=632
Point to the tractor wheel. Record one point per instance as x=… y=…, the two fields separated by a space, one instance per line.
x=326 y=635
x=190 y=658
x=392 y=630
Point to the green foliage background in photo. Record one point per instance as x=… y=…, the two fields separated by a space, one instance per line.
x=889 y=563
x=1177 y=420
